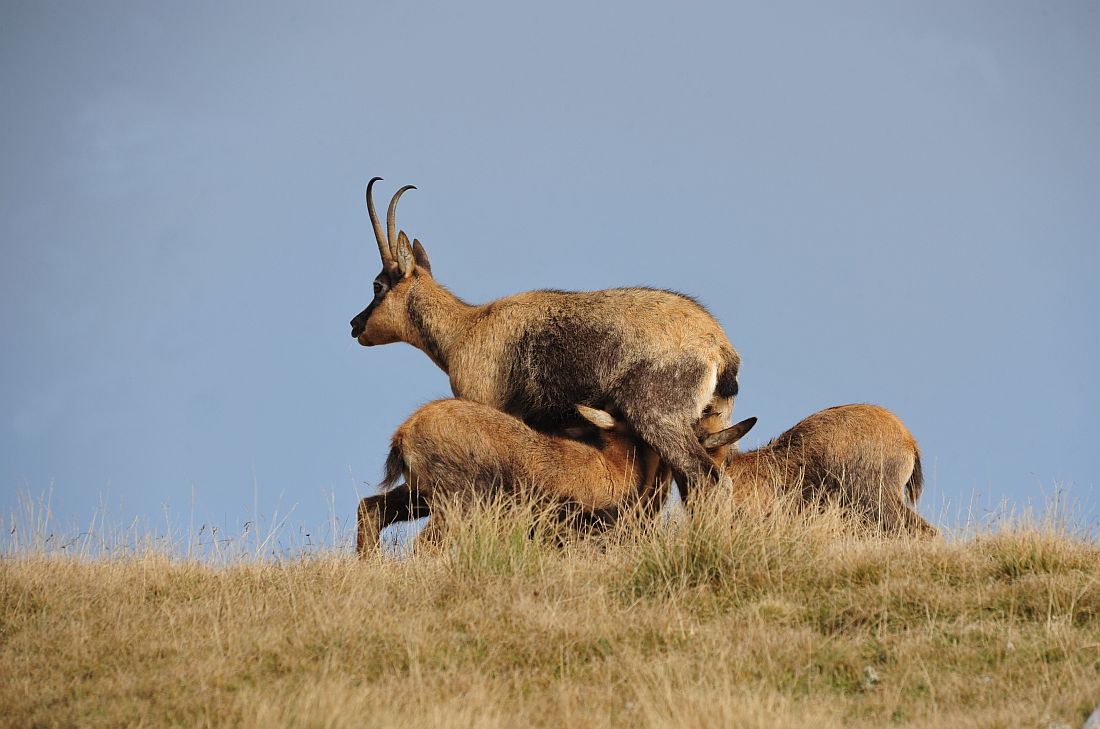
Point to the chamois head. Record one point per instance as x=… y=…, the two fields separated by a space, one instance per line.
x=621 y=446
x=612 y=436
x=385 y=320
x=723 y=444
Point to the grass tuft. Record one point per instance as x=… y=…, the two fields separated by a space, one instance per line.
x=722 y=616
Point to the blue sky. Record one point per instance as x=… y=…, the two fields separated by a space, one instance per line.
x=894 y=203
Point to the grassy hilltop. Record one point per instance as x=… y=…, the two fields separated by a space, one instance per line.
x=775 y=621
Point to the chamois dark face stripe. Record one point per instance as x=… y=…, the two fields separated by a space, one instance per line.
x=381 y=288
x=416 y=318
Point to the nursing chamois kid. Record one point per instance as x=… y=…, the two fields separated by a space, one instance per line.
x=861 y=456
x=655 y=358
x=452 y=448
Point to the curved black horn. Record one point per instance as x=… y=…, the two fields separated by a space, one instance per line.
x=379 y=235
x=391 y=221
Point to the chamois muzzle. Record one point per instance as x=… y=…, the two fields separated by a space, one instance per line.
x=359 y=324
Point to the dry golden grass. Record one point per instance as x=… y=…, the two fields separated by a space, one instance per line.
x=717 y=619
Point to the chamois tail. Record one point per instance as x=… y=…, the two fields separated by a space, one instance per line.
x=395 y=467
x=727 y=374
x=915 y=485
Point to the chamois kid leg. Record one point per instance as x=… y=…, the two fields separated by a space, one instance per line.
x=378 y=512
x=900 y=519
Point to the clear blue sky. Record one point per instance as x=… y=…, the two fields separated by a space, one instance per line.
x=895 y=203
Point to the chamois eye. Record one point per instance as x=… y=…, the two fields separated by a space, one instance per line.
x=378 y=288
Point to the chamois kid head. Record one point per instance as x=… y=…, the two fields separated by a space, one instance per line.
x=722 y=446
x=386 y=319
x=619 y=445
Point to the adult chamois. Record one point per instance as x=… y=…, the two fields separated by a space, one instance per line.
x=656 y=358
x=459 y=448
x=861 y=456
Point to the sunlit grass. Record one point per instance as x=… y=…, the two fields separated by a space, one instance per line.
x=720 y=617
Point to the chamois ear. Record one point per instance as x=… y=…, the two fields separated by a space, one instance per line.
x=731 y=434
x=599 y=418
x=406 y=262
x=421 y=257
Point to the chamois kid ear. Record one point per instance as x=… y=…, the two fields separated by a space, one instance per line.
x=599 y=418
x=421 y=257
x=731 y=434
x=406 y=261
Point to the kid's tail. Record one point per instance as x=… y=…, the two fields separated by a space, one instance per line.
x=915 y=485
x=395 y=467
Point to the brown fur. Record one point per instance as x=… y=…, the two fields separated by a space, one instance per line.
x=451 y=448
x=656 y=358
x=861 y=456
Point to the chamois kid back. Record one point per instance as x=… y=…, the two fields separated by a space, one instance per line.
x=861 y=456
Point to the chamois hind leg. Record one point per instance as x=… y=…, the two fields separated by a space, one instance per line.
x=896 y=519
x=914 y=524
x=663 y=404
x=886 y=499
x=675 y=442
x=378 y=512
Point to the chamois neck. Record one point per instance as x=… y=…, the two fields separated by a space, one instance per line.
x=743 y=464
x=439 y=321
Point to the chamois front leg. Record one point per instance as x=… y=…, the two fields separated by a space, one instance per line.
x=430 y=537
x=378 y=512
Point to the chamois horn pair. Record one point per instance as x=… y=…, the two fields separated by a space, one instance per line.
x=387 y=241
